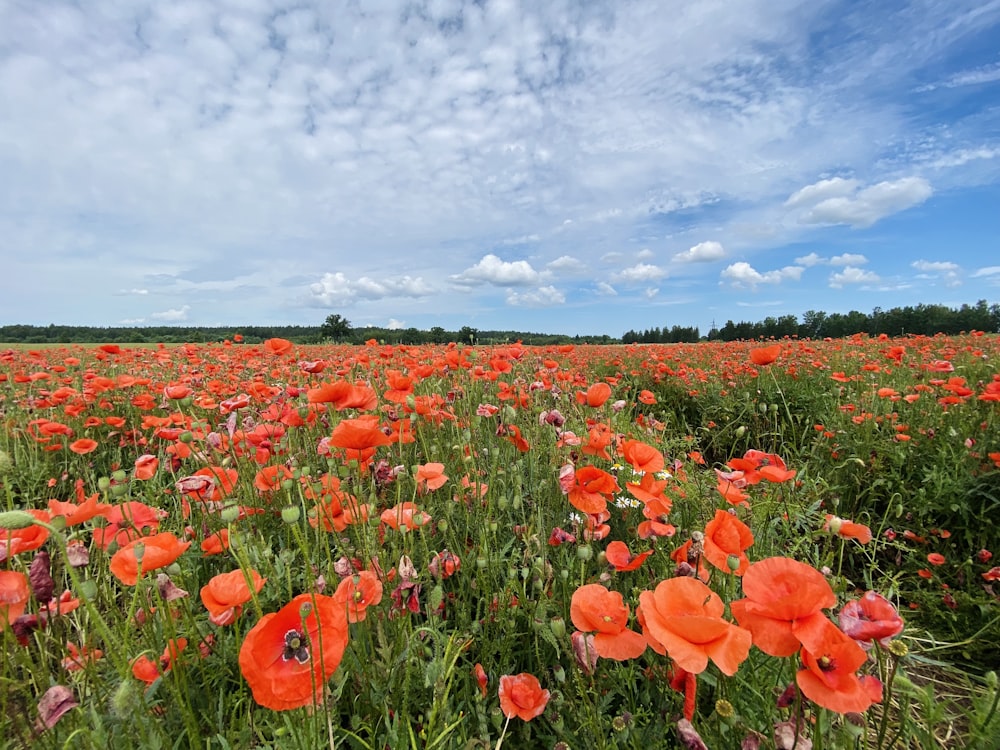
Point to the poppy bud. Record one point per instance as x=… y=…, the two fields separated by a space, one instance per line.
x=558 y=627
x=12 y=520
x=290 y=514
x=230 y=512
x=584 y=552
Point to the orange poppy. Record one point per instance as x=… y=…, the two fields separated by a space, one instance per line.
x=522 y=695
x=356 y=593
x=405 y=516
x=829 y=679
x=646 y=397
x=278 y=347
x=14 y=594
x=784 y=599
x=591 y=489
x=594 y=396
x=642 y=456
x=215 y=544
x=727 y=539
x=16 y=541
x=847 y=529
x=225 y=594
x=619 y=555
x=145 y=467
x=359 y=434
x=595 y=609
x=430 y=476
x=765 y=355
x=82 y=510
x=270 y=478
x=289 y=655
x=83 y=446
x=343 y=395
x=682 y=618
x=144 y=554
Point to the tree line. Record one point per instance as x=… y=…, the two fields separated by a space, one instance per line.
x=898 y=321
x=921 y=319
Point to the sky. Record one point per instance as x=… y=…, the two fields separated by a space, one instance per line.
x=577 y=167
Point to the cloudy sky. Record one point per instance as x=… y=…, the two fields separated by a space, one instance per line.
x=569 y=167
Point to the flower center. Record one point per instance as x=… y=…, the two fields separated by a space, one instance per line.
x=826 y=663
x=296 y=647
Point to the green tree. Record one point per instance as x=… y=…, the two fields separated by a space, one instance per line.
x=335 y=327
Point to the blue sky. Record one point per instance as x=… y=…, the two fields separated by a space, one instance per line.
x=566 y=167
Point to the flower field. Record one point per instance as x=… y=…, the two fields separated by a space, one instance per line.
x=785 y=544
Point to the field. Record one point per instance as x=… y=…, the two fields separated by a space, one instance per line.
x=780 y=544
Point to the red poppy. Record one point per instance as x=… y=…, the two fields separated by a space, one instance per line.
x=727 y=539
x=784 y=599
x=289 y=655
x=646 y=397
x=830 y=679
x=642 y=456
x=870 y=618
x=344 y=395
x=359 y=433
x=682 y=617
x=357 y=592
x=481 y=679
x=936 y=558
x=847 y=529
x=765 y=355
x=430 y=476
x=16 y=541
x=145 y=467
x=278 y=347
x=521 y=695
x=215 y=544
x=83 y=446
x=225 y=594
x=405 y=516
x=14 y=594
x=146 y=554
x=618 y=554
x=594 y=396
x=591 y=489
x=595 y=609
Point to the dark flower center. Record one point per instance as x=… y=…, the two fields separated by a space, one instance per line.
x=826 y=663
x=296 y=647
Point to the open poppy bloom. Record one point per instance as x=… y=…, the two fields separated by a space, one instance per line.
x=642 y=456
x=356 y=593
x=289 y=655
x=595 y=609
x=784 y=601
x=14 y=594
x=619 y=555
x=359 y=434
x=594 y=396
x=430 y=476
x=870 y=618
x=765 y=355
x=405 y=516
x=522 y=695
x=225 y=594
x=830 y=679
x=146 y=554
x=682 y=618
x=591 y=489
x=847 y=529
x=727 y=539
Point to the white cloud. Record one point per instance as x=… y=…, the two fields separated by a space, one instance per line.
x=492 y=270
x=173 y=315
x=986 y=271
x=396 y=325
x=935 y=266
x=639 y=273
x=336 y=289
x=703 y=252
x=545 y=296
x=839 y=201
x=565 y=264
x=650 y=292
x=973 y=77
x=133 y=291
x=848 y=259
x=742 y=275
x=645 y=254
x=606 y=290
x=809 y=260
x=852 y=275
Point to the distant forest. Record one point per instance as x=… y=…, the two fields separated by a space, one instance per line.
x=899 y=321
